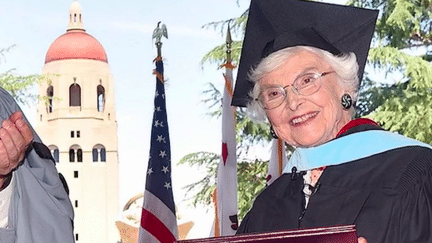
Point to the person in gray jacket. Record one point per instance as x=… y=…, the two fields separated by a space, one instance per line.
x=34 y=204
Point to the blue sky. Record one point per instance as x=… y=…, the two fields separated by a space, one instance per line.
x=124 y=29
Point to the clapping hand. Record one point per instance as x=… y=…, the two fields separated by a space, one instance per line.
x=15 y=138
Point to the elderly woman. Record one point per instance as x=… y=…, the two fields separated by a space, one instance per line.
x=343 y=171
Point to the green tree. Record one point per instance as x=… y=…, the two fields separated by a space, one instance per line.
x=402 y=45
x=17 y=85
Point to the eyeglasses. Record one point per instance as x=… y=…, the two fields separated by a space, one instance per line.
x=273 y=96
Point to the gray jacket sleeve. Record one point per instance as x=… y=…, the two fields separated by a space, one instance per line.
x=40 y=209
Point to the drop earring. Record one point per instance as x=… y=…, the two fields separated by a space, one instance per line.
x=346 y=101
x=272 y=133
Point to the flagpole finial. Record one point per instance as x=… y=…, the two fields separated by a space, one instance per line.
x=158 y=33
x=228 y=44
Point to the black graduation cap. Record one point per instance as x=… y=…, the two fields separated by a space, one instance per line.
x=276 y=24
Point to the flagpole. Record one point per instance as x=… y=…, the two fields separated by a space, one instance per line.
x=228 y=46
x=159 y=49
x=158 y=218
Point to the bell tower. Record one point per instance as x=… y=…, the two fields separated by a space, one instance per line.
x=77 y=122
x=75 y=17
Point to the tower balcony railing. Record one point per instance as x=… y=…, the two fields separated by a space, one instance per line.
x=76 y=112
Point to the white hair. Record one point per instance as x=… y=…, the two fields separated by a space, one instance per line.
x=345 y=66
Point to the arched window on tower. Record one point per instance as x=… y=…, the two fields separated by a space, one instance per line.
x=71 y=155
x=95 y=154
x=79 y=155
x=75 y=18
x=50 y=94
x=74 y=95
x=55 y=153
x=100 y=98
x=99 y=153
x=75 y=151
x=103 y=155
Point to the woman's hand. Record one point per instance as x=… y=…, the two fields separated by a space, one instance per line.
x=362 y=240
x=15 y=137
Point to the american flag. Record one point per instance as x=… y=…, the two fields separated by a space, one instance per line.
x=158 y=218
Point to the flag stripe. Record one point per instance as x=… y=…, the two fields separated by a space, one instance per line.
x=145 y=236
x=155 y=227
x=216 y=220
x=280 y=156
x=157 y=208
x=277 y=161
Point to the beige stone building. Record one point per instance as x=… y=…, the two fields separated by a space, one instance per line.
x=79 y=126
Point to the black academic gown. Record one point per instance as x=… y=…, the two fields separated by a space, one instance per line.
x=388 y=196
